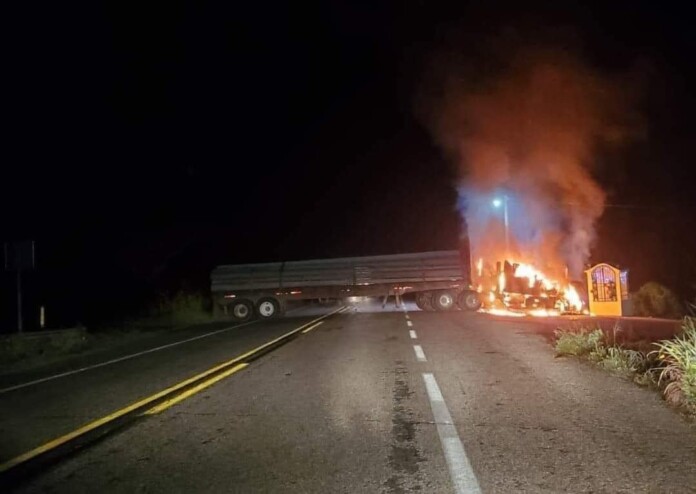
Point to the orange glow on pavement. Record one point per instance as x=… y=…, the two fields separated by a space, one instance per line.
x=503 y=312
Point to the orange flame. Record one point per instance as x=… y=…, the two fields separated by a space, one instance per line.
x=553 y=295
x=573 y=298
x=533 y=274
x=505 y=312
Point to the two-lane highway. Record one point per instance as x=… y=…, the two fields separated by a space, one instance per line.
x=388 y=401
x=38 y=409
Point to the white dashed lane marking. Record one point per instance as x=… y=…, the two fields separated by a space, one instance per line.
x=412 y=333
x=420 y=355
x=462 y=475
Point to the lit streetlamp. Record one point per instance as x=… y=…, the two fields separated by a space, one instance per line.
x=498 y=202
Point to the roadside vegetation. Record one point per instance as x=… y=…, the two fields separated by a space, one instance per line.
x=177 y=309
x=667 y=365
x=37 y=348
x=656 y=300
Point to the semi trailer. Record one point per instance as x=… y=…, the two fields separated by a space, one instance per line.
x=440 y=281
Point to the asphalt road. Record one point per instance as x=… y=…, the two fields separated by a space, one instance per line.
x=35 y=414
x=352 y=406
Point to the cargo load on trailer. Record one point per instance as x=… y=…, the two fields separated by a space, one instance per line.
x=440 y=281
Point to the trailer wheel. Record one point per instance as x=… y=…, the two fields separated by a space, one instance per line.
x=424 y=301
x=443 y=300
x=267 y=308
x=469 y=300
x=242 y=310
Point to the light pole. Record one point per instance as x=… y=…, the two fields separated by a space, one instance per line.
x=504 y=202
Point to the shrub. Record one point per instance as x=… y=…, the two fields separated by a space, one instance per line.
x=674 y=362
x=656 y=300
x=593 y=345
x=180 y=308
x=179 y=302
x=679 y=365
x=622 y=360
x=578 y=342
x=37 y=345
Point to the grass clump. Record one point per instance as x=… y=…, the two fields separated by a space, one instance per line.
x=578 y=342
x=671 y=368
x=592 y=344
x=39 y=346
x=677 y=372
x=620 y=360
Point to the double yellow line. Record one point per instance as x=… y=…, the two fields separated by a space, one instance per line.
x=172 y=395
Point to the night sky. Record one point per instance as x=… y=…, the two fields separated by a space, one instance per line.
x=146 y=143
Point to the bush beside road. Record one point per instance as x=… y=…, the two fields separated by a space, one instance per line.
x=18 y=348
x=668 y=365
x=656 y=300
x=30 y=350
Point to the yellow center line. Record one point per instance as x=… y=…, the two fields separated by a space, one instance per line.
x=312 y=327
x=196 y=389
x=59 y=441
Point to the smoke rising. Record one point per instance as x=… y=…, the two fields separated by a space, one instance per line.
x=530 y=134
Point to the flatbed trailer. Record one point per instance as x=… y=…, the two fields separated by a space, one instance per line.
x=440 y=281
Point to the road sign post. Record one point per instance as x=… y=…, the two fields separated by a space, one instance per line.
x=19 y=256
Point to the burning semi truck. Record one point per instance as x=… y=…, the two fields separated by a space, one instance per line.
x=516 y=288
x=439 y=281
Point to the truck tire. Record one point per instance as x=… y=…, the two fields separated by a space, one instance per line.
x=424 y=301
x=241 y=310
x=469 y=300
x=267 y=308
x=444 y=300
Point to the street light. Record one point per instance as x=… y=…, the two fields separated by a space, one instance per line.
x=497 y=202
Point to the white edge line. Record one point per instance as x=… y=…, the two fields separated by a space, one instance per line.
x=130 y=356
x=120 y=359
x=24 y=457
x=420 y=355
x=463 y=478
x=412 y=333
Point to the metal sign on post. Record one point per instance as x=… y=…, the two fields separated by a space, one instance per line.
x=19 y=256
